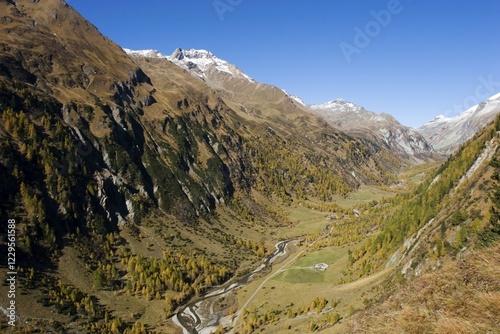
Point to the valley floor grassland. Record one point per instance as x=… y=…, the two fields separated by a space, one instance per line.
x=294 y=283
x=364 y=194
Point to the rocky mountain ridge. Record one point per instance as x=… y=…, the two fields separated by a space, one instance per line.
x=382 y=128
x=447 y=134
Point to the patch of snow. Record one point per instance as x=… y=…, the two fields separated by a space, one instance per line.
x=298 y=99
x=339 y=104
x=494 y=97
x=145 y=53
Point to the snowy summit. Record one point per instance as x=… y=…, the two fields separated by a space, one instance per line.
x=338 y=105
x=203 y=62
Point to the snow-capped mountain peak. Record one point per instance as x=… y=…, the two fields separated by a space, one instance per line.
x=338 y=105
x=296 y=98
x=201 y=58
x=494 y=97
x=180 y=54
x=203 y=63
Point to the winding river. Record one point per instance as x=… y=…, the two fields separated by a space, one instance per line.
x=199 y=316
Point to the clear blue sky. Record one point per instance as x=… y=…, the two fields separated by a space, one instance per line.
x=423 y=60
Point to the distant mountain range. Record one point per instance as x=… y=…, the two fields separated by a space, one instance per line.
x=440 y=136
x=382 y=128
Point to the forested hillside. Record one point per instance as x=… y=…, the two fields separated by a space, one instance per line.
x=454 y=208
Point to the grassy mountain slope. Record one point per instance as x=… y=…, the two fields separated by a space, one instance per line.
x=461 y=297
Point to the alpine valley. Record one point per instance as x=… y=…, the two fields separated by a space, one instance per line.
x=145 y=193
